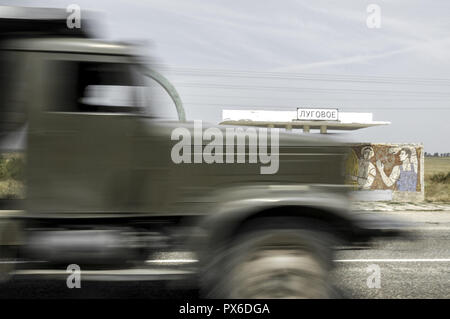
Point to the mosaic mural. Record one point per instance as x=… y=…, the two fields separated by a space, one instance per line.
x=385 y=167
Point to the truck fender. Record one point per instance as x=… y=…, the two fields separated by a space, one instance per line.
x=311 y=203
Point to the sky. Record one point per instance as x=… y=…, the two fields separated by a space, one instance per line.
x=276 y=55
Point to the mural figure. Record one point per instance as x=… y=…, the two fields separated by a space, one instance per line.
x=404 y=175
x=366 y=169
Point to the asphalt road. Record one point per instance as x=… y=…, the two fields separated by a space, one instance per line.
x=417 y=268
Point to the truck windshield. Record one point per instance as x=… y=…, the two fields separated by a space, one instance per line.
x=95 y=87
x=110 y=88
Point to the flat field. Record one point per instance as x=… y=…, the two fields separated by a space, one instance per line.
x=437 y=179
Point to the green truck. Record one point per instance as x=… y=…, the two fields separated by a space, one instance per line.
x=104 y=192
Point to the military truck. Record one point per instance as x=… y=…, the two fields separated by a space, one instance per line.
x=103 y=192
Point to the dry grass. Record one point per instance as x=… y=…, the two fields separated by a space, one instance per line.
x=12 y=189
x=437 y=185
x=11 y=176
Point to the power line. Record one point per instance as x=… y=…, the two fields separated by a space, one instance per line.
x=308 y=89
x=291 y=107
x=388 y=79
x=303 y=98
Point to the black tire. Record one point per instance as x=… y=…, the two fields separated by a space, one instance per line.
x=272 y=258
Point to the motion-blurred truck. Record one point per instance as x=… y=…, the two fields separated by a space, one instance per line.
x=103 y=192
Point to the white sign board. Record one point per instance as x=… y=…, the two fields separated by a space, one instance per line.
x=317 y=114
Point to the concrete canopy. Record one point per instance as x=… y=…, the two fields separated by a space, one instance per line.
x=288 y=119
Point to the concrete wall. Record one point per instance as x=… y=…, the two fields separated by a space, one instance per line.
x=386 y=172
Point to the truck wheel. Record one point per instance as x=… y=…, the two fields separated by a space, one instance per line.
x=285 y=260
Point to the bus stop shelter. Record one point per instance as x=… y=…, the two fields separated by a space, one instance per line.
x=288 y=120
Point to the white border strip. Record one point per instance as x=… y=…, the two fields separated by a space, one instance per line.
x=393 y=260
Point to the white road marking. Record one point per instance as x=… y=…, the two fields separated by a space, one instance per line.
x=112 y=272
x=169 y=261
x=427 y=228
x=20 y=261
x=412 y=260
